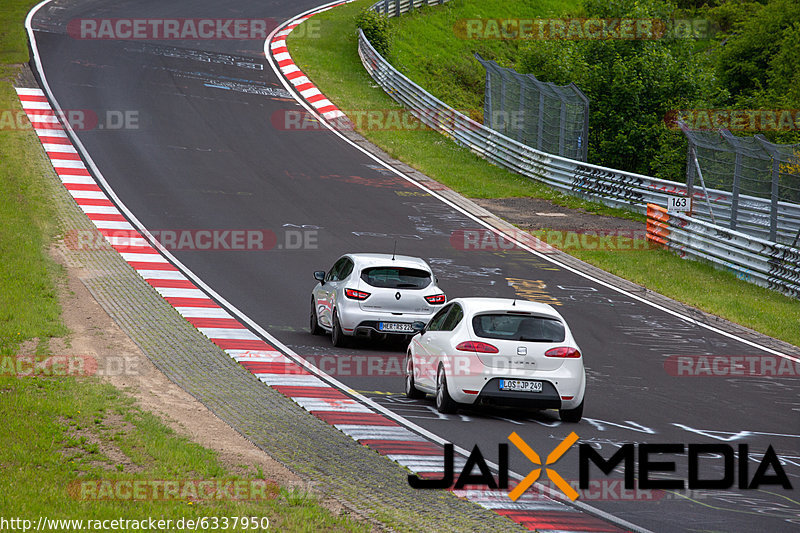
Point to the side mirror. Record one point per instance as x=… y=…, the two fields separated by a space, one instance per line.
x=319 y=275
x=418 y=326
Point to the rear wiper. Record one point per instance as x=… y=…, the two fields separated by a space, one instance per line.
x=405 y=286
x=529 y=339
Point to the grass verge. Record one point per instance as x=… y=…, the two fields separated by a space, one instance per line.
x=329 y=57
x=63 y=435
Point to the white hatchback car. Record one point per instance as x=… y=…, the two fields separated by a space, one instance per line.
x=374 y=294
x=497 y=351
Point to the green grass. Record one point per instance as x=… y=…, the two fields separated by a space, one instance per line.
x=29 y=307
x=330 y=58
x=13 y=41
x=58 y=431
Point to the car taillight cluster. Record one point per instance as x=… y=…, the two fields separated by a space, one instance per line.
x=563 y=352
x=356 y=295
x=477 y=347
x=436 y=299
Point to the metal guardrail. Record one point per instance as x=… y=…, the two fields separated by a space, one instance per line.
x=758 y=261
x=395 y=8
x=612 y=187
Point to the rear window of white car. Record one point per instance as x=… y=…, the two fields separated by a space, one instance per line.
x=396 y=277
x=524 y=328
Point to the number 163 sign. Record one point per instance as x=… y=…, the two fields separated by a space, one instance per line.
x=679 y=204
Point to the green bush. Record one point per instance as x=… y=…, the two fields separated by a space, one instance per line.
x=376 y=29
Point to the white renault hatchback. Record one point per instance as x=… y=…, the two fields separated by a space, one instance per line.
x=374 y=294
x=497 y=351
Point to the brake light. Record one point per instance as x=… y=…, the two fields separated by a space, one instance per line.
x=356 y=295
x=436 y=299
x=476 y=346
x=563 y=352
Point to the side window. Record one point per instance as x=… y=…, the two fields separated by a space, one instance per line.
x=347 y=268
x=453 y=318
x=436 y=322
x=336 y=269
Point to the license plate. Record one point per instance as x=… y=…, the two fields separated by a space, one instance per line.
x=395 y=326
x=523 y=385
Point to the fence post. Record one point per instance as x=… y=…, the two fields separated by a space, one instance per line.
x=773 y=211
x=737 y=169
x=690 y=171
x=397 y=11
x=562 y=128
x=540 y=125
x=521 y=108
x=487 y=102
x=501 y=116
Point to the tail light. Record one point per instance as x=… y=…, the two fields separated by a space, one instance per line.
x=436 y=299
x=476 y=346
x=356 y=295
x=563 y=352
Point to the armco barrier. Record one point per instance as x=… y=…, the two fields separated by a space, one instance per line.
x=764 y=263
x=612 y=187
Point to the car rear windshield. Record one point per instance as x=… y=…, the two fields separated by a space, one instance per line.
x=518 y=327
x=396 y=277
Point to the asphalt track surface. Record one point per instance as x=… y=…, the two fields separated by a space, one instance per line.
x=206 y=154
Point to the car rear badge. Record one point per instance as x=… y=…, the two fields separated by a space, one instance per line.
x=397 y=295
x=522 y=350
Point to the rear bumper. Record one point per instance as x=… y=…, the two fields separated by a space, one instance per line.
x=492 y=395
x=354 y=321
x=563 y=388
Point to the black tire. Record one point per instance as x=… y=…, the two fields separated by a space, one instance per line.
x=571 y=415
x=411 y=391
x=444 y=403
x=313 y=325
x=337 y=335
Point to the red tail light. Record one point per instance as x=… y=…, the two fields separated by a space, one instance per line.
x=476 y=346
x=564 y=352
x=436 y=299
x=356 y=295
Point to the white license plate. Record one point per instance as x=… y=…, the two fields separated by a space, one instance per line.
x=395 y=326
x=523 y=385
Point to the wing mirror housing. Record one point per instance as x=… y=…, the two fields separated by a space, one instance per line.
x=418 y=326
x=319 y=275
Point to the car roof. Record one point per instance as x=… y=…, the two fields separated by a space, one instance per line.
x=366 y=260
x=480 y=305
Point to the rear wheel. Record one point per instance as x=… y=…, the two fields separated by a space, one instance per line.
x=337 y=335
x=444 y=403
x=313 y=324
x=411 y=390
x=571 y=415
